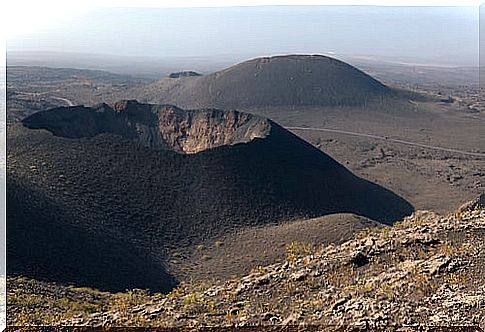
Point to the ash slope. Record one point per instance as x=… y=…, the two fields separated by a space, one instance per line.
x=115 y=183
x=291 y=80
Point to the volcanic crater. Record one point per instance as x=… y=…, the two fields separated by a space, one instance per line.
x=154 y=179
x=154 y=126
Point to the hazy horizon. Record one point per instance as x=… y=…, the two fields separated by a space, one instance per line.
x=442 y=36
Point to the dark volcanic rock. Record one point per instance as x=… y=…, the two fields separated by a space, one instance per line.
x=359 y=259
x=118 y=174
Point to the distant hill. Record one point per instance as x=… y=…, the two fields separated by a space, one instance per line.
x=132 y=181
x=188 y=73
x=291 y=80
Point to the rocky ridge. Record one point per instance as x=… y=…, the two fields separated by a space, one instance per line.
x=427 y=269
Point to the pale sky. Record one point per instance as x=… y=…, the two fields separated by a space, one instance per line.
x=96 y=26
x=23 y=16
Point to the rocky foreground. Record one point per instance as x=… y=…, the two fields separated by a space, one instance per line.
x=427 y=269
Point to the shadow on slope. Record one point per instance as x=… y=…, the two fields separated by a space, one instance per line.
x=153 y=201
x=48 y=242
x=298 y=175
x=311 y=180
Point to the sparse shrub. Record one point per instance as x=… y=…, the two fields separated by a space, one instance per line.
x=458 y=215
x=368 y=287
x=297 y=250
x=362 y=234
x=195 y=303
x=447 y=248
x=385 y=232
x=388 y=290
x=457 y=279
x=32 y=307
x=423 y=282
x=176 y=293
x=190 y=299
x=258 y=269
x=418 y=221
x=288 y=286
x=122 y=301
